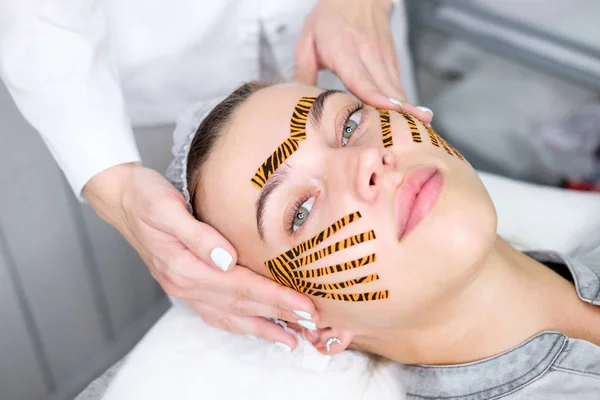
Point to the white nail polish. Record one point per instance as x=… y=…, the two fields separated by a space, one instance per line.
x=221 y=258
x=423 y=108
x=396 y=102
x=283 y=347
x=308 y=325
x=302 y=314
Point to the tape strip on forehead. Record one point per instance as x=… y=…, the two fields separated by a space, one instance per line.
x=289 y=146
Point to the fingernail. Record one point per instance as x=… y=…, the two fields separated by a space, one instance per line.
x=302 y=314
x=422 y=108
x=308 y=325
x=221 y=258
x=283 y=347
x=396 y=102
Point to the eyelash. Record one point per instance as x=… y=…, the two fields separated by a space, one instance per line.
x=289 y=221
x=349 y=111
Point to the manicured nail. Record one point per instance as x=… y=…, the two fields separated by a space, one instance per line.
x=422 y=108
x=221 y=258
x=396 y=102
x=302 y=314
x=283 y=347
x=308 y=325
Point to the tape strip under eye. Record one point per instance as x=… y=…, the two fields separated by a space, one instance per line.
x=284 y=269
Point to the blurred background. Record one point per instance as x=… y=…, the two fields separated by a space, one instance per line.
x=514 y=85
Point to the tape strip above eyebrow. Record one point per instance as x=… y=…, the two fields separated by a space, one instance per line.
x=288 y=146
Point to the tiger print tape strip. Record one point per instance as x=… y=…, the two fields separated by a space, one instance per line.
x=289 y=146
x=284 y=268
x=435 y=139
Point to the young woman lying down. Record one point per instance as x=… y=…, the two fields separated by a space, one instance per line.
x=392 y=233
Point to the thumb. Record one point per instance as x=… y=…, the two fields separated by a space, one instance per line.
x=202 y=240
x=306 y=65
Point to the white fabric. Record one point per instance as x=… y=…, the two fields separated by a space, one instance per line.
x=183 y=358
x=82 y=71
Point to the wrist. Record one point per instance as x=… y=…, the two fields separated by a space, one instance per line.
x=105 y=190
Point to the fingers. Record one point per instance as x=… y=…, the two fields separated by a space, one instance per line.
x=237 y=324
x=202 y=240
x=243 y=284
x=423 y=113
x=243 y=306
x=388 y=85
x=306 y=62
x=189 y=278
x=358 y=80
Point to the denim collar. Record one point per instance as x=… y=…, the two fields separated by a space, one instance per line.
x=504 y=373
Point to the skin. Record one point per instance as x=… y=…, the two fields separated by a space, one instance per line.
x=458 y=292
x=350 y=38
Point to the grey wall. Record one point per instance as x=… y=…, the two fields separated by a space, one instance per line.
x=74 y=297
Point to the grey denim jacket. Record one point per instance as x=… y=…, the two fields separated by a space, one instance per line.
x=548 y=366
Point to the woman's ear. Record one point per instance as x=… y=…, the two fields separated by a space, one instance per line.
x=321 y=337
x=332 y=341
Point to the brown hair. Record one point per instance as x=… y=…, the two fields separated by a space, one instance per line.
x=209 y=131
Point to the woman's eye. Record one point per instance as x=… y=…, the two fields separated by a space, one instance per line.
x=350 y=126
x=301 y=214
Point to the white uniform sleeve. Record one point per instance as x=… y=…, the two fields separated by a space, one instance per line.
x=56 y=63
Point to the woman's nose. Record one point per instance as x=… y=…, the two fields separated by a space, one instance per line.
x=372 y=164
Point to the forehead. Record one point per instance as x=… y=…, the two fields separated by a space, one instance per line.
x=257 y=128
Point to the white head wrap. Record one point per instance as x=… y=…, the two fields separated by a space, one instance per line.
x=185 y=131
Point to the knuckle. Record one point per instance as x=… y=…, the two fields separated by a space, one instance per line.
x=227 y=323
x=240 y=306
x=244 y=293
x=278 y=297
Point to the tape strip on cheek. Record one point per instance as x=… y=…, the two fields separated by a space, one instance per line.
x=369 y=296
x=447 y=146
x=304 y=285
x=282 y=271
x=414 y=129
x=432 y=136
x=282 y=268
x=320 y=237
x=289 y=146
x=332 y=269
x=341 y=245
x=386 y=129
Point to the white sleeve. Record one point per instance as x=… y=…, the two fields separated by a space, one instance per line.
x=56 y=64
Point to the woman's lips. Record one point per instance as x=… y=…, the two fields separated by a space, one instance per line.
x=416 y=196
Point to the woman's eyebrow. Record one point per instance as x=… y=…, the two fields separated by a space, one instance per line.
x=316 y=111
x=272 y=184
x=276 y=180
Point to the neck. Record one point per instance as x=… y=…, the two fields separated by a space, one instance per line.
x=511 y=299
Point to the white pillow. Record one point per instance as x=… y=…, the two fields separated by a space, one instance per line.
x=535 y=217
x=183 y=358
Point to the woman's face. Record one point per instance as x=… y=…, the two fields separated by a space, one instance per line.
x=426 y=221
